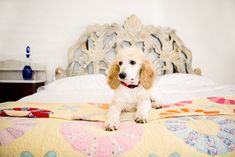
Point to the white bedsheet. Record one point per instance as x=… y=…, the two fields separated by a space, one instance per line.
x=163 y=95
x=48 y=96
x=167 y=89
x=171 y=95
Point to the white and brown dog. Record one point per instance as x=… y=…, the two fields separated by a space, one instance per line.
x=130 y=75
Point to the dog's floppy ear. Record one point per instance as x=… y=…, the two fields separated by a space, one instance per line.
x=112 y=77
x=147 y=74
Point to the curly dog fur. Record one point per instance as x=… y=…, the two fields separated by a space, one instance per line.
x=130 y=75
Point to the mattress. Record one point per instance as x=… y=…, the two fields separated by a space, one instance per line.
x=169 y=88
x=66 y=118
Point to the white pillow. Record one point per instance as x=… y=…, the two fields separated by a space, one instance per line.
x=182 y=81
x=172 y=88
x=92 y=81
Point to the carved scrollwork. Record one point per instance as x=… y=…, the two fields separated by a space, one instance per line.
x=96 y=48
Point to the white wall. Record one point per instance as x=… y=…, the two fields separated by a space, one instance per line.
x=50 y=27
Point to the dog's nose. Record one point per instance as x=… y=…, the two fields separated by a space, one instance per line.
x=122 y=75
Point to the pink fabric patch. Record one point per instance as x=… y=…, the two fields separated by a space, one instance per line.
x=181 y=103
x=221 y=100
x=18 y=128
x=107 y=144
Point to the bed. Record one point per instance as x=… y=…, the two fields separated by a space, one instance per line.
x=66 y=117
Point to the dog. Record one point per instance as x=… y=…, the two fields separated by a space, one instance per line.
x=130 y=76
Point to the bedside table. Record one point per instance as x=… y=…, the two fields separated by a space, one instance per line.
x=12 y=90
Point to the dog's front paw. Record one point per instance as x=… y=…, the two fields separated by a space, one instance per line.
x=111 y=126
x=129 y=109
x=141 y=119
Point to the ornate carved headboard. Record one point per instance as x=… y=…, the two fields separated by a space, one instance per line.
x=96 y=48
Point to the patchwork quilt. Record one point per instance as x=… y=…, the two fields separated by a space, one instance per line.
x=202 y=127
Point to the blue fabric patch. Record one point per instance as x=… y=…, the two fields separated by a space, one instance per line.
x=175 y=154
x=26 y=154
x=29 y=154
x=221 y=143
x=50 y=154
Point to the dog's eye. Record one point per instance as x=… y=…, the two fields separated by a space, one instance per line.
x=120 y=63
x=132 y=62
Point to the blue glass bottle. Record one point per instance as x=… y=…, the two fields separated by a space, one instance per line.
x=27 y=72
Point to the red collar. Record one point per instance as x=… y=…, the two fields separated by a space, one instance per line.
x=130 y=86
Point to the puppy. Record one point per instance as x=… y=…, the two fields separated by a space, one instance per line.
x=130 y=75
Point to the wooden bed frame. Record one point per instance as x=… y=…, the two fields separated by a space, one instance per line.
x=95 y=50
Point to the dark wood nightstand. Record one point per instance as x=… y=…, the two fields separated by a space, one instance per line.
x=12 y=90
